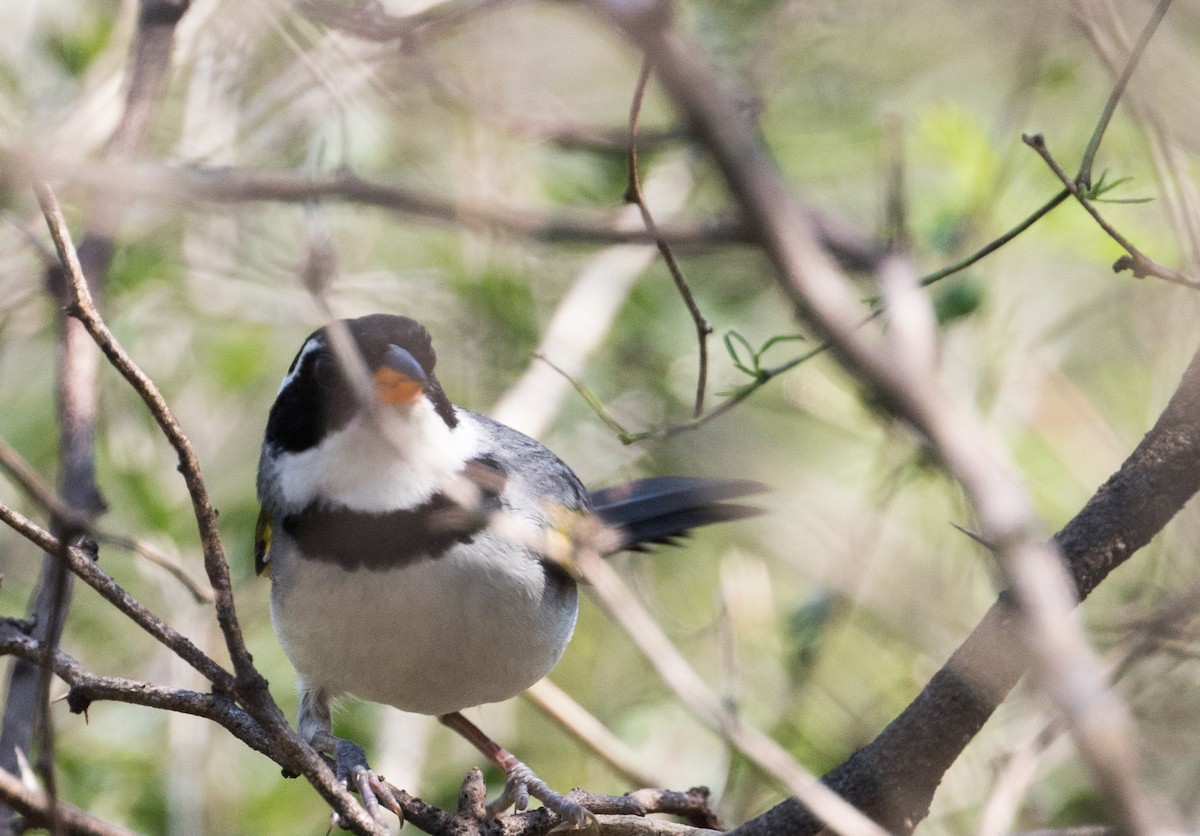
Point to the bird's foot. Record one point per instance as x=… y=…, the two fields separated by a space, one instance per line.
x=351 y=768
x=521 y=782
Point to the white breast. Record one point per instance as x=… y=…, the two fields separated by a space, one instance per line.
x=479 y=624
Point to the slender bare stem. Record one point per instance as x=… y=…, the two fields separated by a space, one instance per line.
x=634 y=195
x=84 y=309
x=1138 y=262
x=1084 y=177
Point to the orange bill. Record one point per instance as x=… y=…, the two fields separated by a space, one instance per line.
x=396 y=387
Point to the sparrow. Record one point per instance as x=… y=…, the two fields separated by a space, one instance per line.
x=419 y=552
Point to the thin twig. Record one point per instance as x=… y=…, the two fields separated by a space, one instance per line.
x=633 y=194
x=145 y=71
x=1084 y=177
x=39 y=810
x=250 y=686
x=996 y=243
x=38 y=489
x=287 y=748
x=1180 y=195
x=942 y=273
x=585 y=314
x=30 y=481
x=581 y=724
x=87 y=687
x=202 y=593
x=849 y=245
x=1138 y=262
x=768 y=374
x=598 y=408
x=1063 y=661
x=215 y=564
x=85 y=568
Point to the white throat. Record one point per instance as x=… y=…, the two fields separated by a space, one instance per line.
x=368 y=467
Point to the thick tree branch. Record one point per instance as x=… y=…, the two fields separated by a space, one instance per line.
x=894 y=777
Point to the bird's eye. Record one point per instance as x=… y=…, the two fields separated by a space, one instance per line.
x=327 y=370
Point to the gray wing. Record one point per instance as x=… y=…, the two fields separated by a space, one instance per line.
x=648 y=511
x=533 y=475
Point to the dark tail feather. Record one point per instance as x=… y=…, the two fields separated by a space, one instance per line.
x=665 y=508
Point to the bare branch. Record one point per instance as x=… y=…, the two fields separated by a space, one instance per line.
x=621 y=605
x=84 y=567
x=634 y=195
x=41 y=491
x=35 y=806
x=206 y=516
x=1138 y=262
x=78 y=369
x=585 y=314
x=251 y=687
x=853 y=249
x=1084 y=177
x=87 y=687
x=1159 y=476
x=1065 y=664
x=581 y=724
x=1118 y=55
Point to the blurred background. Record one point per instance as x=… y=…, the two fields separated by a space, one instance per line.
x=820 y=620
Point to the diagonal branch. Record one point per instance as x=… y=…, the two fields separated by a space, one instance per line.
x=1066 y=667
x=84 y=309
x=634 y=195
x=32 y=483
x=25 y=705
x=249 y=685
x=1128 y=510
x=39 y=810
x=621 y=605
x=87 y=687
x=83 y=565
x=1136 y=261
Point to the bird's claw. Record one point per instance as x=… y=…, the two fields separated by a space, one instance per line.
x=352 y=769
x=521 y=782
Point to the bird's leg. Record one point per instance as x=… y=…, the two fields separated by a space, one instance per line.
x=315 y=723
x=520 y=781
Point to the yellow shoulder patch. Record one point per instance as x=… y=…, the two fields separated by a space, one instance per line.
x=262 y=543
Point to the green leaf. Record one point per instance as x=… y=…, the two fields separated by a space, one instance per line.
x=753 y=365
x=1101 y=187
x=957 y=300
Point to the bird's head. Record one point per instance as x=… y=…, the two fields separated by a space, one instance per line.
x=319 y=395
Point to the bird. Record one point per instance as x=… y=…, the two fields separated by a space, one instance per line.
x=416 y=548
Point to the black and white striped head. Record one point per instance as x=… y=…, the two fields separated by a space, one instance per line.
x=317 y=397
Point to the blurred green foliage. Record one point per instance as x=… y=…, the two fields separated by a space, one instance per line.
x=820 y=620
